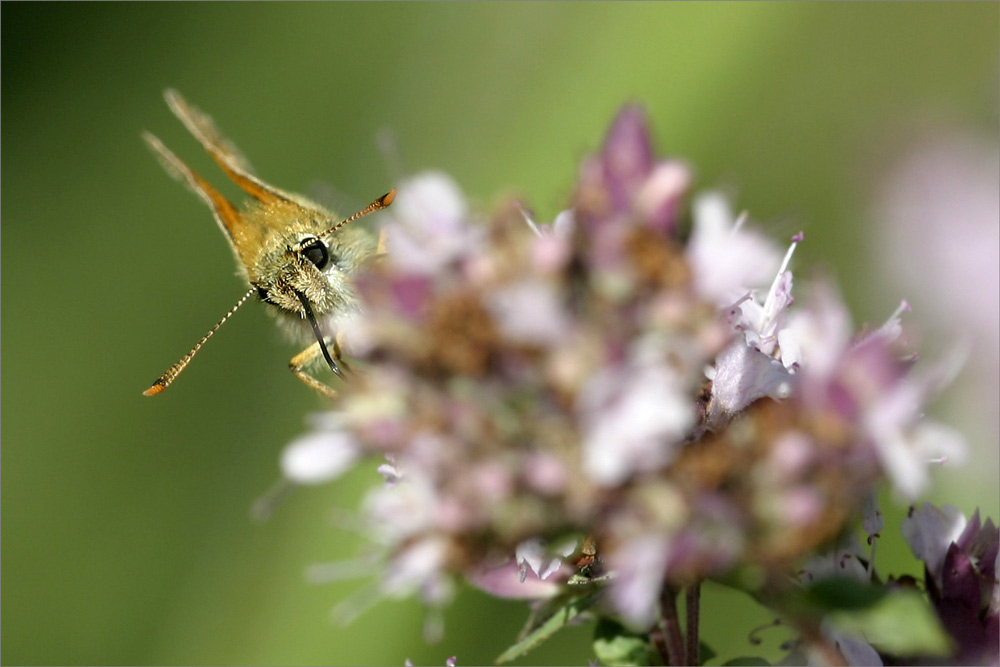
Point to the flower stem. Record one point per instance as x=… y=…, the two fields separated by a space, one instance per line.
x=670 y=626
x=692 y=607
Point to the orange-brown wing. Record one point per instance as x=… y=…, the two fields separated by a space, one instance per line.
x=225 y=154
x=228 y=217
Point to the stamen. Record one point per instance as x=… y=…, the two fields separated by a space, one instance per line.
x=772 y=293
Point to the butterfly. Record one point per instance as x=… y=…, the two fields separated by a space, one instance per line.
x=296 y=256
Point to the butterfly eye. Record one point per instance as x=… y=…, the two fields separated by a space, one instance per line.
x=315 y=251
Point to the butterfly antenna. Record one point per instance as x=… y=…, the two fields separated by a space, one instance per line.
x=164 y=380
x=382 y=202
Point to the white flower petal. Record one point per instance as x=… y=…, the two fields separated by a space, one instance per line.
x=640 y=565
x=318 y=457
x=632 y=419
x=743 y=375
x=419 y=566
x=529 y=312
x=428 y=224
x=543 y=560
x=726 y=258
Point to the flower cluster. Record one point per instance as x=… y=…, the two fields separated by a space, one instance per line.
x=626 y=393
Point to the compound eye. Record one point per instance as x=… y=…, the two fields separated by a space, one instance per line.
x=316 y=252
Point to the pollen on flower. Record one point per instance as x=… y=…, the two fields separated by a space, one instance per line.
x=462 y=336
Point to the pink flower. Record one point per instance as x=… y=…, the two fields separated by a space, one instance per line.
x=606 y=377
x=961 y=576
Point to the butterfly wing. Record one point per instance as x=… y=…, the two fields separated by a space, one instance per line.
x=225 y=154
x=225 y=213
x=251 y=229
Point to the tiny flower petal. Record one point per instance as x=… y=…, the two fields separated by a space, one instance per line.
x=640 y=566
x=633 y=420
x=855 y=649
x=529 y=312
x=505 y=581
x=535 y=555
x=930 y=530
x=743 y=375
x=660 y=198
x=319 y=457
x=420 y=566
x=427 y=225
x=726 y=258
x=627 y=156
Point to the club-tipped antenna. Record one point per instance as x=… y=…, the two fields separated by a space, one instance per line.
x=164 y=380
x=382 y=202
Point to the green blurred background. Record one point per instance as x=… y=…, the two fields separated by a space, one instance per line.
x=126 y=532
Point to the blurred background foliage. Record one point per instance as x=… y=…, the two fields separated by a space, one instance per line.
x=126 y=532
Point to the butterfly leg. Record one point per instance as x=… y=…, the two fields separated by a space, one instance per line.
x=300 y=361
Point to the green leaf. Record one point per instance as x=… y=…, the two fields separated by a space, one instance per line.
x=843 y=593
x=705 y=652
x=901 y=623
x=747 y=660
x=568 y=609
x=614 y=644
